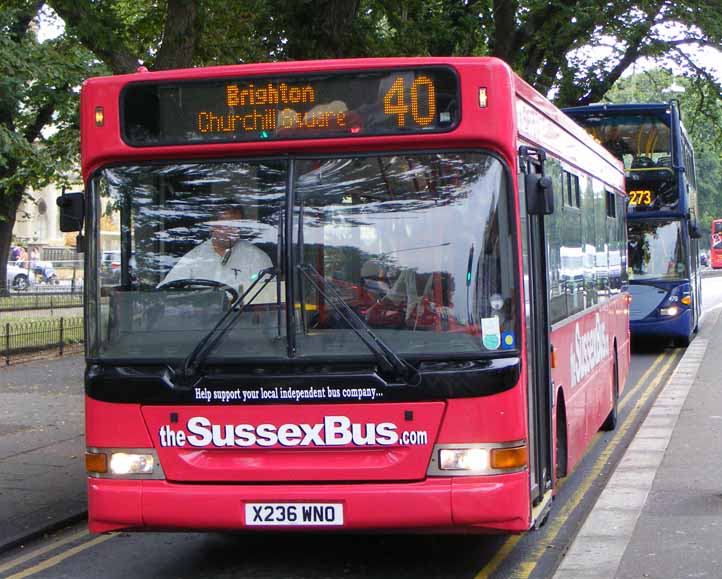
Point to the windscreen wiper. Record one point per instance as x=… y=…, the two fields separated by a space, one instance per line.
x=231 y=316
x=387 y=359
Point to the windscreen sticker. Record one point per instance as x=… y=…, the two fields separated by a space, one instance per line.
x=490 y=333
x=507 y=341
x=201 y=432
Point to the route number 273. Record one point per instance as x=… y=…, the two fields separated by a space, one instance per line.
x=397 y=103
x=643 y=197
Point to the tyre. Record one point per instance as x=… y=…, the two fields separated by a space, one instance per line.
x=561 y=445
x=610 y=423
x=20 y=283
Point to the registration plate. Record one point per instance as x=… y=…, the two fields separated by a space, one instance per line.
x=293 y=514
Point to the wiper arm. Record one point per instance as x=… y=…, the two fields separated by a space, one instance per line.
x=210 y=340
x=384 y=354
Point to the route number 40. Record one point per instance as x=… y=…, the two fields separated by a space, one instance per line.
x=396 y=103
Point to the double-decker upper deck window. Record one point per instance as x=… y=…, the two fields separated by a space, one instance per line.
x=360 y=103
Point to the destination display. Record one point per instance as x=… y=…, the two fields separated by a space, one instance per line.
x=362 y=103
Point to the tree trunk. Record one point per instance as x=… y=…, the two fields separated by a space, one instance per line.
x=179 y=36
x=9 y=203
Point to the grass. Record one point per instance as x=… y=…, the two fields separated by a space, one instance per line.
x=36 y=334
x=39 y=301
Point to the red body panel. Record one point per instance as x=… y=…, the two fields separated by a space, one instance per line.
x=715 y=252
x=488 y=503
x=340 y=460
x=586 y=346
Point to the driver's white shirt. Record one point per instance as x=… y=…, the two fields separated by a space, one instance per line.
x=240 y=270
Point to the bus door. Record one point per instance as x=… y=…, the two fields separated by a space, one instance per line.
x=536 y=201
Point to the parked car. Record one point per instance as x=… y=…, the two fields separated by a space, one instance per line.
x=18 y=278
x=110 y=268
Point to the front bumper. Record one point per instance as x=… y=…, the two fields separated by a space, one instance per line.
x=490 y=503
x=676 y=327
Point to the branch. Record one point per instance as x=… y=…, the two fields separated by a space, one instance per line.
x=43 y=118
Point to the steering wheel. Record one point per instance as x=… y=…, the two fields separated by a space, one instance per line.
x=191 y=282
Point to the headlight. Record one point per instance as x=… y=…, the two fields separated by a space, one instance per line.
x=123 y=463
x=477 y=459
x=463 y=458
x=670 y=311
x=130 y=463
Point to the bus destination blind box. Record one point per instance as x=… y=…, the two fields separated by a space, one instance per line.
x=343 y=104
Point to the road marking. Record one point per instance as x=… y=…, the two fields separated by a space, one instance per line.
x=39 y=552
x=48 y=563
x=642 y=379
x=553 y=527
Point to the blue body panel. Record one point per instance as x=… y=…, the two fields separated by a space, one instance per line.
x=645 y=318
x=677 y=327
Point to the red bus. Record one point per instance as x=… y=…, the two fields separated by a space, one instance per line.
x=353 y=294
x=715 y=245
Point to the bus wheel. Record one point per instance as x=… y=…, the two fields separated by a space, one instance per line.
x=561 y=445
x=611 y=421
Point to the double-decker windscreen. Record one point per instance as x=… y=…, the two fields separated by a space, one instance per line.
x=290 y=107
x=657 y=250
x=416 y=248
x=643 y=142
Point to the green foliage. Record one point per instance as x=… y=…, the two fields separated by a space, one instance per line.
x=39 y=84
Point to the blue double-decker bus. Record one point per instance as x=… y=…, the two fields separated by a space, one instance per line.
x=663 y=234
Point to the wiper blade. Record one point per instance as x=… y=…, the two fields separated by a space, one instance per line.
x=387 y=359
x=231 y=316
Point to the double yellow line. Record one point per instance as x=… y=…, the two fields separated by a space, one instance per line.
x=559 y=518
x=52 y=561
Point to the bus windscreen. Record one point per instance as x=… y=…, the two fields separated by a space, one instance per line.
x=345 y=104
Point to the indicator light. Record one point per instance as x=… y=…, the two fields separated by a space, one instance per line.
x=96 y=463
x=99 y=117
x=482 y=98
x=506 y=458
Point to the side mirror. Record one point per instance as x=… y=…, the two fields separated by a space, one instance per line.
x=72 y=211
x=539 y=194
x=694 y=231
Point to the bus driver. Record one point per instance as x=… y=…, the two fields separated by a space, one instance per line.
x=224 y=257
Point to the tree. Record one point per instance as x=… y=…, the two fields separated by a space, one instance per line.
x=39 y=85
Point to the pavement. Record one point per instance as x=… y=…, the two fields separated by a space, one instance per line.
x=660 y=515
x=42 y=448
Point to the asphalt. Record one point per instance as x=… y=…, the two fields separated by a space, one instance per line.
x=660 y=515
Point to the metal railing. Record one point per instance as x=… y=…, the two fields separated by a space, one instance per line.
x=26 y=338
